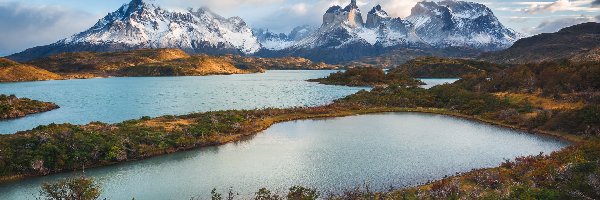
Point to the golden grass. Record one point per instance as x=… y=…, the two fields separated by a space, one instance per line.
x=21 y=72
x=541 y=102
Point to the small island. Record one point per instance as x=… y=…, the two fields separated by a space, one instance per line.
x=12 y=107
x=368 y=76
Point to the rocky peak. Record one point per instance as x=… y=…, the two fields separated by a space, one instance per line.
x=376 y=17
x=377 y=10
x=460 y=23
x=350 y=16
x=351 y=6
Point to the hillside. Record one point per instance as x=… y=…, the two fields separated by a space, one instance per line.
x=11 y=71
x=164 y=62
x=285 y=63
x=143 y=62
x=401 y=56
x=435 y=67
x=576 y=43
x=199 y=65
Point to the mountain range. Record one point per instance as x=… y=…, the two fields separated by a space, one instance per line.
x=343 y=36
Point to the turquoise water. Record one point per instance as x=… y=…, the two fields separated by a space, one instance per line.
x=114 y=100
x=437 y=81
x=382 y=150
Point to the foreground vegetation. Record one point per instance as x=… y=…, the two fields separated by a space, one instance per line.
x=13 y=107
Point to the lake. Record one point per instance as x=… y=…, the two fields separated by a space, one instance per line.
x=383 y=150
x=113 y=100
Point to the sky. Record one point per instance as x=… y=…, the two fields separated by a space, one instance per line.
x=25 y=24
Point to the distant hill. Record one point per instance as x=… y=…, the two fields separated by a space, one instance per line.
x=11 y=71
x=105 y=63
x=285 y=63
x=143 y=62
x=435 y=67
x=576 y=43
x=164 y=62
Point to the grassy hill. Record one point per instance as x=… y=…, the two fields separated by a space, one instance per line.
x=164 y=62
x=199 y=65
x=105 y=64
x=11 y=71
x=576 y=43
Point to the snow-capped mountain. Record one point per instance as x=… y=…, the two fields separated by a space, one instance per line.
x=278 y=41
x=146 y=25
x=343 y=27
x=143 y=24
x=344 y=34
x=460 y=24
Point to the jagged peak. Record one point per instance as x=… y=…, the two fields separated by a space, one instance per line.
x=334 y=9
x=351 y=6
x=137 y=4
x=377 y=10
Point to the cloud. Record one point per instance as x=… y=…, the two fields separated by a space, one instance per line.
x=220 y=6
x=399 y=8
x=24 y=26
x=560 y=5
x=551 y=26
x=595 y=3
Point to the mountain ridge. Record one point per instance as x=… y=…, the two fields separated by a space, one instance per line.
x=343 y=36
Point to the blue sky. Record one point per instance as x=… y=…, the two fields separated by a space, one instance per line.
x=25 y=24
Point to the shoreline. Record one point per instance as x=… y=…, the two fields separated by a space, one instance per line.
x=68 y=77
x=263 y=124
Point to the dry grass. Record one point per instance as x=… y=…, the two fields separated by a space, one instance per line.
x=541 y=102
x=11 y=71
x=169 y=125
